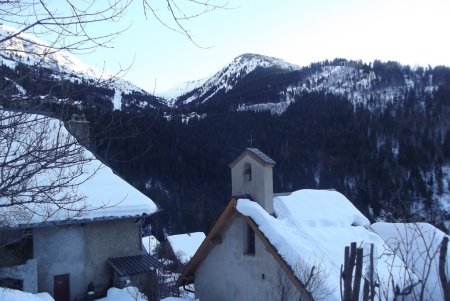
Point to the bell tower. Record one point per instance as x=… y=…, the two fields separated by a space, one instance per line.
x=251 y=174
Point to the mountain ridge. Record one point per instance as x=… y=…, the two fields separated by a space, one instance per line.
x=364 y=84
x=250 y=82
x=25 y=49
x=226 y=78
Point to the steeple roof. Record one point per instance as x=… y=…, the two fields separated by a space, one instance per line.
x=255 y=154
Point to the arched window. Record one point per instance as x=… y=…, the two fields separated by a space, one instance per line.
x=247 y=172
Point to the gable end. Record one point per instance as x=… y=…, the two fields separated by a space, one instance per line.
x=225 y=219
x=256 y=154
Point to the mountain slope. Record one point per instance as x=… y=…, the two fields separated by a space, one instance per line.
x=29 y=54
x=257 y=83
x=379 y=133
x=227 y=78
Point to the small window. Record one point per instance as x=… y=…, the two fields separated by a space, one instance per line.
x=247 y=172
x=250 y=241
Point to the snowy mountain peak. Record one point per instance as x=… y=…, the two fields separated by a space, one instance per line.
x=250 y=61
x=225 y=79
x=29 y=50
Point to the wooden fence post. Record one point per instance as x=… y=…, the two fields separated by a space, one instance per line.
x=442 y=267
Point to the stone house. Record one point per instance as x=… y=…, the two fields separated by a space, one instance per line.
x=265 y=246
x=63 y=258
x=90 y=244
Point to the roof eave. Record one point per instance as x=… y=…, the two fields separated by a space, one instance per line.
x=187 y=276
x=76 y=221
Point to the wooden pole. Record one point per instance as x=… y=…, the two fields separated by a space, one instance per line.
x=442 y=267
x=358 y=274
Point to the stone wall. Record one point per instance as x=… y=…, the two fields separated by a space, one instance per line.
x=105 y=240
x=60 y=250
x=82 y=251
x=26 y=272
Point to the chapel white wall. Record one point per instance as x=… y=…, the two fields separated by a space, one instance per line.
x=227 y=274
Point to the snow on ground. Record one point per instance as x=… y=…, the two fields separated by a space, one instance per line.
x=129 y=293
x=417 y=244
x=117 y=100
x=313 y=227
x=185 y=245
x=15 y=295
x=185 y=118
x=104 y=193
x=8 y=62
x=21 y=89
x=150 y=244
x=275 y=108
x=351 y=82
x=114 y=294
x=178 y=299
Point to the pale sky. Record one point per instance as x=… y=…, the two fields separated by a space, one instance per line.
x=412 y=32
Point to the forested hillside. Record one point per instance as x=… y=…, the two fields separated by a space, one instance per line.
x=392 y=163
x=379 y=133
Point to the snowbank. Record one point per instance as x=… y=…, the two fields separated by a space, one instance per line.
x=129 y=293
x=417 y=244
x=15 y=295
x=185 y=245
x=178 y=299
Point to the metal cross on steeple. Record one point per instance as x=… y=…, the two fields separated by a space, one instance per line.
x=251 y=140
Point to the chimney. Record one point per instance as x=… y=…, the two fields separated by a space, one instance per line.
x=251 y=174
x=79 y=128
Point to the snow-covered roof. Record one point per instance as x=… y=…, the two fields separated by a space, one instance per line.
x=266 y=159
x=313 y=227
x=255 y=154
x=185 y=245
x=417 y=244
x=104 y=195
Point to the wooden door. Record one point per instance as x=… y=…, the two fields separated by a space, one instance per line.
x=61 y=287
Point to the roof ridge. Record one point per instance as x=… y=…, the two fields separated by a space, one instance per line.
x=261 y=155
